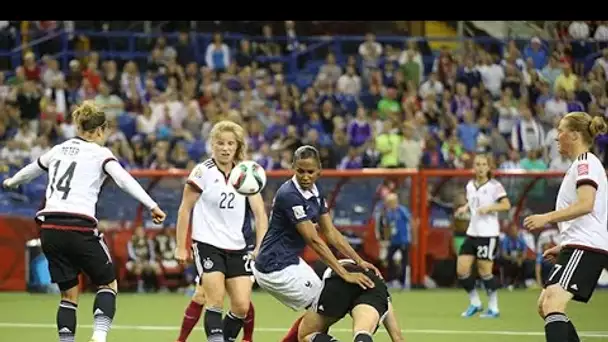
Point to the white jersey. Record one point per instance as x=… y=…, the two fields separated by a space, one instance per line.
x=75 y=177
x=221 y=216
x=590 y=230
x=486 y=194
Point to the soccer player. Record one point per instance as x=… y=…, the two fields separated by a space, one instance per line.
x=485 y=198
x=222 y=237
x=70 y=240
x=582 y=217
x=368 y=308
x=298 y=207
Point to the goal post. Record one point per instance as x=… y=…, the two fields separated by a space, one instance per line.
x=353 y=196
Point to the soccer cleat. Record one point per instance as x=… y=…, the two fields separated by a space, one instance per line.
x=471 y=311
x=490 y=314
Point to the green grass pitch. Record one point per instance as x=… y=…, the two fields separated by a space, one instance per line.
x=425 y=316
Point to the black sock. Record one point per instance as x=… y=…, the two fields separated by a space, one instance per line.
x=321 y=337
x=572 y=334
x=232 y=327
x=66 y=321
x=104 y=309
x=213 y=325
x=490 y=283
x=363 y=336
x=467 y=282
x=556 y=327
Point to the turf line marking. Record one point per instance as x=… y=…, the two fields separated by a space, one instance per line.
x=589 y=334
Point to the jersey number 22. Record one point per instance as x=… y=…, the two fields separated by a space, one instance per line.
x=63 y=183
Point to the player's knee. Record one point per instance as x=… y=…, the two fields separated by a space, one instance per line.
x=240 y=308
x=199 y=295
x=555 y=299
x=463 y=267
x=70 y=294
x=112 y=286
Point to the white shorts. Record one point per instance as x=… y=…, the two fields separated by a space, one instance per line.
x=296 y=286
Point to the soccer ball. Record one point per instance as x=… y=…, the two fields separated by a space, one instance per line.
x=247 y=178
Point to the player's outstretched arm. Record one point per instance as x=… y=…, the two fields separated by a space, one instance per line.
x=256 y=202
x=127 y=183
x=25 y=175
x=392 y=325
x=336 y=239
x=30 y=171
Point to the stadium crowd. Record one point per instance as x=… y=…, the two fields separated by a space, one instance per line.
x=378 y=108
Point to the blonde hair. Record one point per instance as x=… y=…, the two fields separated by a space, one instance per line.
x=88 y=117
x=588 y=126
x=239 y=134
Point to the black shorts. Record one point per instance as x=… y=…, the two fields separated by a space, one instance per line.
x=70 y=252
x=577 y=271
x=208 y=258
x=338 y=297
x=482 y=248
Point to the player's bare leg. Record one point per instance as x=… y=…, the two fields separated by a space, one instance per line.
x=365 y=321
x=484 y=268
x=311 y=326
x=192 y=314
x=292 y=334
x=463 y=269
x=66 y=312
x=104 y=309
x=239 y=291
x=214 y=288
x=558 y=327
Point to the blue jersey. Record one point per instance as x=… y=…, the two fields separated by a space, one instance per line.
x=283 y=244
x=399 y=223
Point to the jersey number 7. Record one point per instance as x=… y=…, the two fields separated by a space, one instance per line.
x=63 y=183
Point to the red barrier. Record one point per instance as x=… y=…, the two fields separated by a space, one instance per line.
x=14 y=233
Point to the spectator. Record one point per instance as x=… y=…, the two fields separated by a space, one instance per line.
x=468 y=131
x=349 y=83
x=399 y=231
x=550 y=144
x=359 y=130
x=387 y=143
x=431 y=86
x=217 y=56
x=551 y=71
x=567 y=79
x=389 y=105
x=370 y=50
x=411 y=69
x=513 y=256
x=601 y=35
x=51 y=73
x=25 y=135
x=537 y=52
x=352 y=161
x=142 y=258
x=492 y=75
x=461 y=103
x=113 y=105
x=410 y=149
x=165 y=243
x=555 y=106
x=469 y=75
x=507 y=113
x=331 y=71
x=579 y=32
x=415 y=56
x=528 y=134
x=184 y=50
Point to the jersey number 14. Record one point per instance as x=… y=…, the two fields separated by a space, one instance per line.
x=62 y=184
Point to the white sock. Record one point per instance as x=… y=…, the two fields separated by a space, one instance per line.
x=99 y=336
x=493 y=301
x=474 y=298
